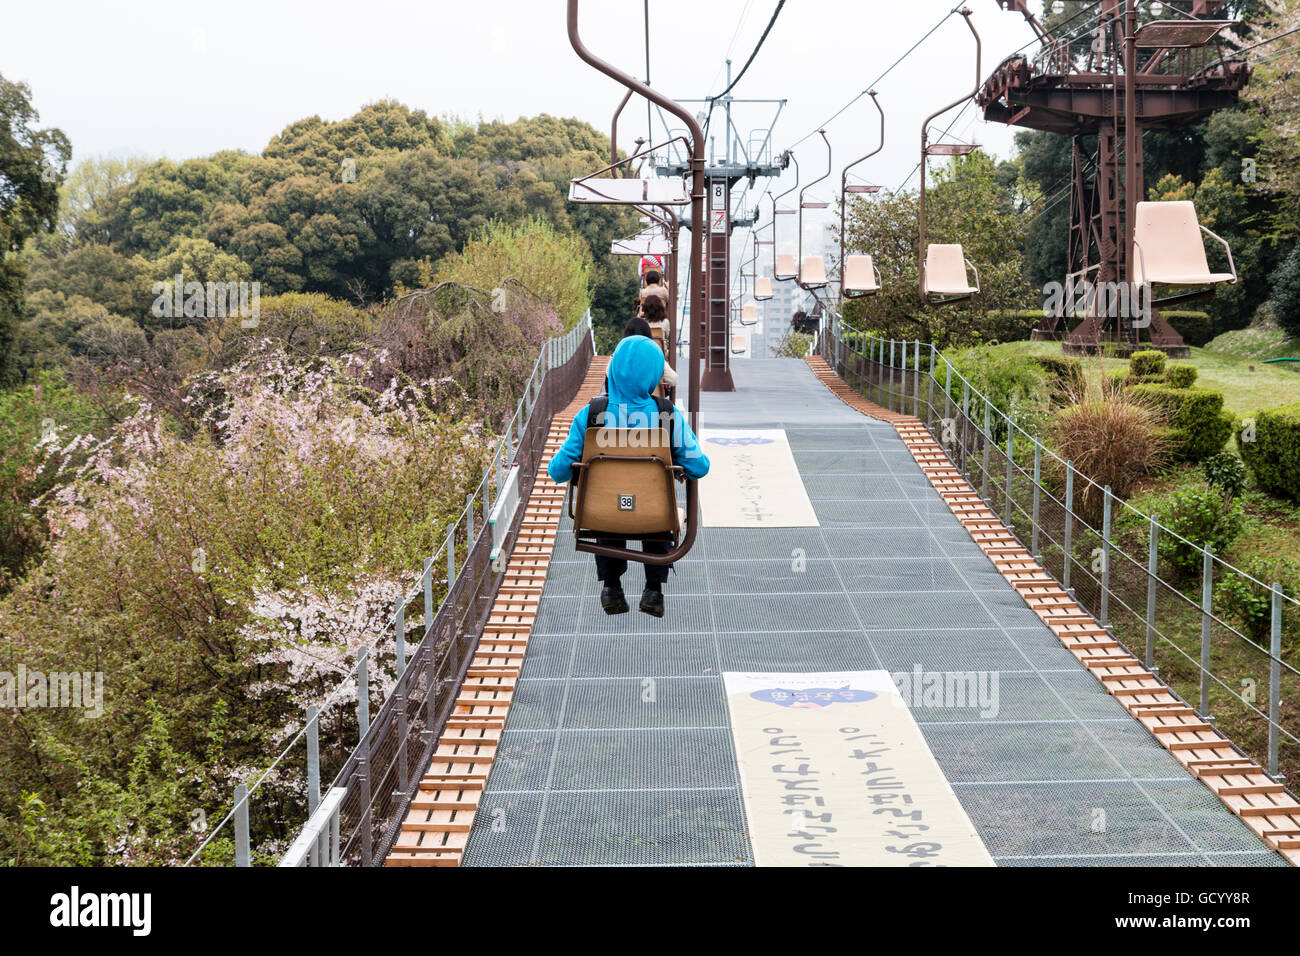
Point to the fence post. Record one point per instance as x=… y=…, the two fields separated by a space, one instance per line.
x=1275 y=680
x=890 y=403
x=1038 y=478
x=242 y=854
x=399 y=633
x=916 y=390
x=929 y=387
x=428 y=594
x=469 y=518
x=399 y=693
x=363 y=690
x=1105 y=557
x=988 y=437
x=1011 y=465
x=1207 y=609
x=1068 y=543
x=313 y=758
x=451 y=559
x=1153 y=563
x=947 y=390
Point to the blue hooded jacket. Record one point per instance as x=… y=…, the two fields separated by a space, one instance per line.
x=634 y=370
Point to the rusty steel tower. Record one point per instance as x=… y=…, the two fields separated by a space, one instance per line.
x=1104 y=90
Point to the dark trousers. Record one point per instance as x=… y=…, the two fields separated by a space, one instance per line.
x=610 y=570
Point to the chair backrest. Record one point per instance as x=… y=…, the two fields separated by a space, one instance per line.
x=859 y=274
x=624 y=491
x=737 y=344
x=748 y=314
x=657 y=334
x=814 y=271
x=1170 y=237
x=945 y=269
x=785 y=266
x=763 y=288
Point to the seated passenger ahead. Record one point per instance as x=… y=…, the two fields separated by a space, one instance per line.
x=634 y=370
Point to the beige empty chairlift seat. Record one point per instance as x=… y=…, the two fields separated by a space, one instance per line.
x=860 y=276
x=762 y=288
x=945 y=272
x=749 y=314
x=785 y=266
x=1169 y=248
x=813 y=274
x=737 y=345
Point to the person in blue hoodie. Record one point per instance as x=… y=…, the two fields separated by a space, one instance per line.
x=635 y=369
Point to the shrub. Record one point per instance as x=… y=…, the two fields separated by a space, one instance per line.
x=1250 y=604
x=1064 y=375
x=1181 y=376
x=1226 y=472
x=1013 y=386
x=1196 y=422
x=1203 y=518
x=794 y=345
x=1196 y=328
x=1112 y=439
x=1011 y=325
x=533 y=257
x=1146 y=366
x=1271 y=449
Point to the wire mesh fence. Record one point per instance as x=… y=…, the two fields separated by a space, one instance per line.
x=1161 y=596
x=407 y=676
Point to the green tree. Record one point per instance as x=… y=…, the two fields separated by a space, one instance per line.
x=32 y=163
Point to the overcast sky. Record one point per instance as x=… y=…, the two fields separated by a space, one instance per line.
x=186 y=78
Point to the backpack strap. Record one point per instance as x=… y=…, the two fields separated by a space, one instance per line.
x=667 y=411
x=596 y=411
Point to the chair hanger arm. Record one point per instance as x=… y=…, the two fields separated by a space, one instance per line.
x=1226 y=248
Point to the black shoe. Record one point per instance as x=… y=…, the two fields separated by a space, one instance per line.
x=652 y=602
x=614 y=602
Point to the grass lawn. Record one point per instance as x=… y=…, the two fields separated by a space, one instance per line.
x=1246 y=383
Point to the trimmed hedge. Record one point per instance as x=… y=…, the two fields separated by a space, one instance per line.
x=1274 y=456
x=1197 y=426
x=1147 y=366
x=1196 y=328
x=1181 y=376
x=1064 y=374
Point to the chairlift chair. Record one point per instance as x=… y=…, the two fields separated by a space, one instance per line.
x=623 y=487
x=812 y=271
x=859 y=276
x=784 y=266
x=1168 y=250
x=943 y=275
